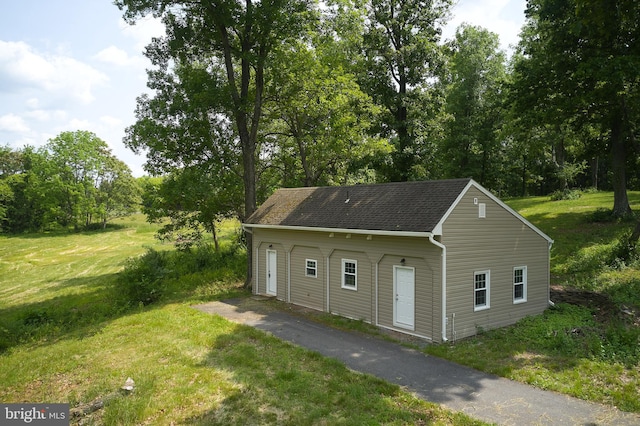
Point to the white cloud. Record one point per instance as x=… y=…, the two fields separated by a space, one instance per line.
x=111 y=121
x=22 y=67
x=13 y=123
x=113 y=55
x=143 y=31
x=116 y=56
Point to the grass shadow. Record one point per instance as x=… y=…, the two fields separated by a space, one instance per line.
x=110 y=227
x=272 y=388
x=78 y=313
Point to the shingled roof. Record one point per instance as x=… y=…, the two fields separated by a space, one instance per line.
x=400 y=207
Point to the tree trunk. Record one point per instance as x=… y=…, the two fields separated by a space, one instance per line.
x=524 y=176
x=621 y=206
x=215 y=237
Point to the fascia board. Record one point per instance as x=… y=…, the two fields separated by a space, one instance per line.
x=342 y=230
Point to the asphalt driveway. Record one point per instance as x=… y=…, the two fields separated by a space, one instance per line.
x=480 y=395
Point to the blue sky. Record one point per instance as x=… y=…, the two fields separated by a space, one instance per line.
x=75 y=65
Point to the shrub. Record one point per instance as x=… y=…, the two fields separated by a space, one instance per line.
x=624 y=251
x=566 y=194
x=143 y=278
x=159 y=274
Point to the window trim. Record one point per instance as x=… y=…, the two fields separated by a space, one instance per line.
x=523 y=299
x=344 y=273
x=487 y=289
x=307 y=268
x=482 y=211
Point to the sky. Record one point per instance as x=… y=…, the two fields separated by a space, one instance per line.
x=68 y=65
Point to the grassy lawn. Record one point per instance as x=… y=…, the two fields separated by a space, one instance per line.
x=69 y=333
x=72 y=330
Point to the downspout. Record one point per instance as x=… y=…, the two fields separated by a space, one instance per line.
x=549 y=275
x=444 y=286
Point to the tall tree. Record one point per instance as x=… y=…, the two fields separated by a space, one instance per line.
x=86 y=180
x=580 y=66
x=194 y=200
x=317 y=114
x=238 y=36
x=402 y=59
x=476 y=74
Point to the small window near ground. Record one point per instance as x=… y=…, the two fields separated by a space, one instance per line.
x=349 y=274
x=311 y=269
x=520 y=284
x=481 y=282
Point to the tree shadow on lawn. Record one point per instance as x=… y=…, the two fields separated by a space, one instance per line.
x=111 y=227
x=79 y=313
x=280 y=383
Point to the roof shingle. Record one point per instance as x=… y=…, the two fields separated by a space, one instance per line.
x=401 y=206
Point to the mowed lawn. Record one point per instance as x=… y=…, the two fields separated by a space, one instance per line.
x=68 y=335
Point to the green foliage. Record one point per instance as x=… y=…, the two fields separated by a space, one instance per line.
x=474 y=97
x=194 y=201
x=563 y=82
x=74 y=181
x=159 y=275
x=565 y=194
x=402 y=59
x=142 y=279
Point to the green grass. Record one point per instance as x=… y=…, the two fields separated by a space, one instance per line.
x=71 y=334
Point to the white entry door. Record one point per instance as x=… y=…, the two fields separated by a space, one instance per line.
x=272 y=272
x=404 y=297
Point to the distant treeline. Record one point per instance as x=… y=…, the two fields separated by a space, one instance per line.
x=72 y=182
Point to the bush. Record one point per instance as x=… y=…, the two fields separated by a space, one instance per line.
x=624 y=252
x=566 y=194
x=157 y=275
x=143 y=278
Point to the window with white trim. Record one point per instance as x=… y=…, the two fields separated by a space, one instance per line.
x=350 y=274
x=481 y=284
x=482 y=210
x=520 y=284
x=311 y=268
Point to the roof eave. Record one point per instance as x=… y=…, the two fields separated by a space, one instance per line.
x=342 y=230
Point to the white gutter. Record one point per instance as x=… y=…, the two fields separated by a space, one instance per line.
x=444 y=286
x=340 y=230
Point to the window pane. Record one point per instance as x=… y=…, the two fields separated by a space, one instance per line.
x=481 y=297
x=518 y=291
x=350 y=268
x=481 y=281
x=350 y=280
x=518 y=276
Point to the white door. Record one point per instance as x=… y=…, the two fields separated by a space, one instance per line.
x=404 y=297
x=272 y=272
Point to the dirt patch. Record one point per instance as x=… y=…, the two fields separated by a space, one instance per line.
x=604 y=309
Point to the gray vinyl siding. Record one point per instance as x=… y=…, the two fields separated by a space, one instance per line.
x=357 y=304
x=307 y=291
x=375 y=254
x=426 y=307
x=497 y=243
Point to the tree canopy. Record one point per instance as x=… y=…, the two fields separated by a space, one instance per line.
x=73 y=181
